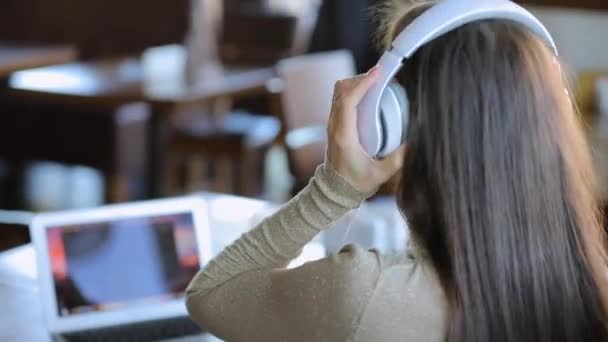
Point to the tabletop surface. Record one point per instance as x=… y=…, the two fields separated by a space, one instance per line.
x=21 y=318
x=14 y=58
x=158 y=75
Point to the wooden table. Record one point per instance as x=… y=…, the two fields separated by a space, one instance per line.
x=157 y=78
x=14 y=58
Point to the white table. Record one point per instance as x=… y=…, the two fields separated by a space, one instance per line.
x=376 y=224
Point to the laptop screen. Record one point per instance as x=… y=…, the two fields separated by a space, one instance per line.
x=106 y=266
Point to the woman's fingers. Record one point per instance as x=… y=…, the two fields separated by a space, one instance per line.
x=360 y=86
x=344 y=151
x=351 y=91
x=347 y=95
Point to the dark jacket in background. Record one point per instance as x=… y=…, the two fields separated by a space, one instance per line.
x=346 y=24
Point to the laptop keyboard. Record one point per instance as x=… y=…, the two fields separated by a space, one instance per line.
x=138 y=332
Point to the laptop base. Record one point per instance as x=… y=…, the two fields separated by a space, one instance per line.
x=157 y=330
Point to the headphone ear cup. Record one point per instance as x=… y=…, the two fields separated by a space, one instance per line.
x=400 y=94
x=394 y=117
x=404 y=104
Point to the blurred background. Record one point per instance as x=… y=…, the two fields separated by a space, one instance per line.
x=108 y=101
x=113 y=101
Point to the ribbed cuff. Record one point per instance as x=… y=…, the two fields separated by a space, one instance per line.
x=337 y=189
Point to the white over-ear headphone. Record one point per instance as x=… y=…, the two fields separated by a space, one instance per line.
x=383 y=115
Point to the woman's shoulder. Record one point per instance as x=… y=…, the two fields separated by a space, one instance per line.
x=402 y=286
x=412 y=261
x=354 y=266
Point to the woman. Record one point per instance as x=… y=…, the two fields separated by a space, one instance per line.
x=497 y=189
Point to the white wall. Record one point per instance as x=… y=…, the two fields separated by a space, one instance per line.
x=581 y=36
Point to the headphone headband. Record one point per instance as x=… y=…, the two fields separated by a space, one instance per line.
x=382 y=128
x=446 y=16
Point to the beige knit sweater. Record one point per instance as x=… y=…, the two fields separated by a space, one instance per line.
x=246 y=294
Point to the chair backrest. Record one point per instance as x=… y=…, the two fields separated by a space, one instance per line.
x=309 y=82
x=308 y=86
x=272 y=39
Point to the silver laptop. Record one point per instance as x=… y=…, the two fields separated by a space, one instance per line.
x=120 y=272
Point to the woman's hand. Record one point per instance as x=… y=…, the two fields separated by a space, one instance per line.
x=344 y=152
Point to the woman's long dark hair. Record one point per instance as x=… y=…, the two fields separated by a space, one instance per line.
x=497 y=187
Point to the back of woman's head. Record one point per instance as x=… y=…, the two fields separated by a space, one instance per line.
x=497 y=186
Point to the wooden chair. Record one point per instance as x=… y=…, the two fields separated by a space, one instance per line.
x=218 y=149
x=224 y=153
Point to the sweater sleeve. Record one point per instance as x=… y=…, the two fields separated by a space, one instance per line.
x=246 y=294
